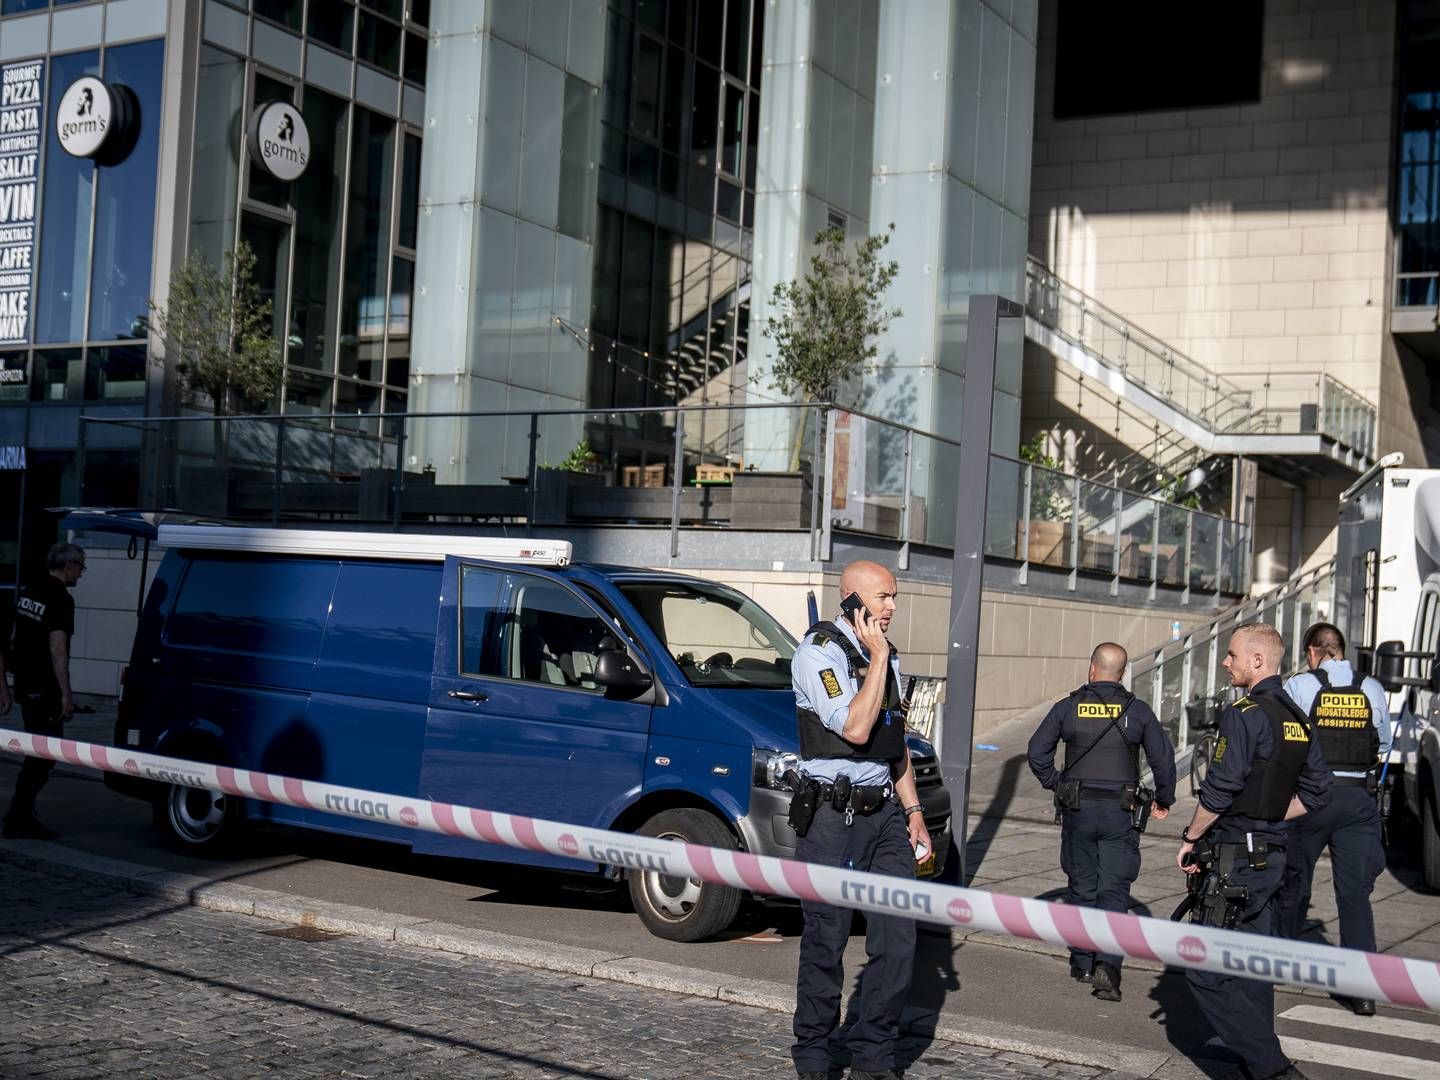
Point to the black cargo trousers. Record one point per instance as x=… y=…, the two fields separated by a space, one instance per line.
x=1100 y=854
x=879 y=843
x=41 y=713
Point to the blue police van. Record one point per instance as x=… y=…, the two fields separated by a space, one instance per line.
x=490 y=673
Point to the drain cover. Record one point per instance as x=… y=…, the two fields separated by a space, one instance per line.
x=302 y=933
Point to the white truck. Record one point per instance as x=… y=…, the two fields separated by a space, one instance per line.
x=1387 y=601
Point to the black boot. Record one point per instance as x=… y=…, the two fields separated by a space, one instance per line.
x=26 y=828
x=1078 y=973
x=1105 y=981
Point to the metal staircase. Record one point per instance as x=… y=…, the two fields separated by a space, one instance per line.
x=1300 y=421
x=1183 y=680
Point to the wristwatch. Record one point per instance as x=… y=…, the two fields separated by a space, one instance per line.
x=916 y=809
x=1185 y=837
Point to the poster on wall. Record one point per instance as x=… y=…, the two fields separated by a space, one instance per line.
x=20 y=120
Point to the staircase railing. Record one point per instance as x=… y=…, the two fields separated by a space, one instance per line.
x=1184 y=679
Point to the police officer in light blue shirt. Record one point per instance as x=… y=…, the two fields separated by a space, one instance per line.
x=866 y=816
x=1351 y=720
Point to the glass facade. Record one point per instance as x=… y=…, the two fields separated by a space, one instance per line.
x=1417 y=165
x=670 y=304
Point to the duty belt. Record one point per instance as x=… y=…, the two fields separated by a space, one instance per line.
x=860 y=794
x=1351 y=781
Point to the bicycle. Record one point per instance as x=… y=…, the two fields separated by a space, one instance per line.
x=1203 y=716
x=1202 y=755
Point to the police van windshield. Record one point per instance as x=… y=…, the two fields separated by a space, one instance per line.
x=719 y=637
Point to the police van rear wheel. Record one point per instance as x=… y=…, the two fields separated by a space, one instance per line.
x=681 y=908
x=196 y=820
x=1430 y=834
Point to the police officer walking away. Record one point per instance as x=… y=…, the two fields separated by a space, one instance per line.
x=1103 y=727
x=856 y=807
x=44 y=623
x=1266 y=770
x=1350 y=718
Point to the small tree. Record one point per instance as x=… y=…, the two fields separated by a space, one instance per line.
x=826 y=322
x=220 y=331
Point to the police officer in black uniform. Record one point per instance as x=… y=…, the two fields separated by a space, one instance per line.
x=856 y=807
x=1103 y=727
x=1266 y=769
x=1351 y=720
x=44 y=622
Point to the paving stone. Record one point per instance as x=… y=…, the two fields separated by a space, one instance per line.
x=99 y=981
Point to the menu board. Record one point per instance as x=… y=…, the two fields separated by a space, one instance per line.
x=20 y=127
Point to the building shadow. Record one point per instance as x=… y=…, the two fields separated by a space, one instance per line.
x=1186 y=1028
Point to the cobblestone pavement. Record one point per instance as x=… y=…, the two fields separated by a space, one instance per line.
x=100 y=983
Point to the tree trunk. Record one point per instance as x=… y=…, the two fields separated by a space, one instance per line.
x=798 y=442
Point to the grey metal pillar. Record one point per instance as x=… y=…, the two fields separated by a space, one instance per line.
x=957 y=726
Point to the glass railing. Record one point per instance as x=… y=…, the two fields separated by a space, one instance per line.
x=677 y=469
x=1281 y=401
x=1184 y=681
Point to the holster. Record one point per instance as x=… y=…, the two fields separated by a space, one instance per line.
x=1141 y=800
x=1215 y=902
x=1067 y=795
x=803 y=805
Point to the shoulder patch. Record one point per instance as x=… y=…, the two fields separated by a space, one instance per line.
x=820 y=639
x=1245 y=704
x=1219 y=749
x=830 y=682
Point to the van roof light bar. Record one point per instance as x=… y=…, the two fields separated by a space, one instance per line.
x=419 y=547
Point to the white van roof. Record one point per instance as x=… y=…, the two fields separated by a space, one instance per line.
x=420 y=547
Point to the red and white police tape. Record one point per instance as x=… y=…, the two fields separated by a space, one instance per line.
x=1395 y=979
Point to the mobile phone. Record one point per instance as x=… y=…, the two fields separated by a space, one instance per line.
x=851 y=606
x=922 y=852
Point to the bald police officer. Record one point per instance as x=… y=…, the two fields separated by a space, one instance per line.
x=1103 y=727
x=1266 y=770
x=1351 y=719
x=865 y=815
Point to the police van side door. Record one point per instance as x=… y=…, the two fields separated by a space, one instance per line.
x=516 y=722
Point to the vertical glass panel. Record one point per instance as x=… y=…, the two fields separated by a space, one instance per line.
x=389 y=8
x=269 y=242
x=709 y=30
x=415 y=58
x=617 y=72
x=732 y=126
x=316 y=288
x=1003 y=508
x=115 y=372
x=57 y=375
x=263 y=187
x=361 y=402
x=673 y=123
x=285 y=12
x=757 y=36
x=17 y=7
x=645 y=117
x=397 y=347
x=378 y=43
x=125 y=202
x=409 y=192
x=752 y=141
x=678 y=21
x=704 y=122
x=306 y=393
x=65 y=233
x=420 y=12
x=214 y=190
x=367 y=249
x=1137 y=528
x=1052 y=496
x=333 y=23
x=737 y=37
x=576 y=211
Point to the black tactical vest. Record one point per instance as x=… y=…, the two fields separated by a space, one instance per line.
x=1113 y=760
x=887 y=737
x=1344 y=722
x=1271 y=783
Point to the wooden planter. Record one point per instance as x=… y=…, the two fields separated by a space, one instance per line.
x=770 y=500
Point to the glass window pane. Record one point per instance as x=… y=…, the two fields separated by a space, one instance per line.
x=415 y=58
x=678 y=23
x=391 y=8
x=367 y=251
x=333 y=23
x=57 y=375
x=733 y=121
x=553 y=638
x=12 y=376
x=650 y=14
x=409 y=192
x=215 y=187
x=401 y=279
x=362 y=402
x=576 y=213
x=65 y=232
x=646 y=114
x=263 y=187
x=269 y=242
x=420 y=12
x=479 y=620
x=115 y=372
x=709 y=30
x=673 y=128
x=316 y=288
x=285 y=12
x=617 y=72
x=703 y=123
x=17 y=7
x=737 y=37
x=306 y=393
x=125 y=203
x=379 y=43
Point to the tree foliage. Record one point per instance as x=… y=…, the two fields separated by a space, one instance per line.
x=825 y=324
x=220 y=332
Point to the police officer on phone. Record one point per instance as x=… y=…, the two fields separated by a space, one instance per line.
x=1266 y=769
x=1351 y=720
x=856 y=807
x=1098 y=796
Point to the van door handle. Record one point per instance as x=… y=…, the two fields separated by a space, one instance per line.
x=468 y=695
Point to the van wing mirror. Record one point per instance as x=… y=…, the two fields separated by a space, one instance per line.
x=1390 y=664
x=616 y=670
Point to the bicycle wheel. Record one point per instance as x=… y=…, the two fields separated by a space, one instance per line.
x=1200 y=760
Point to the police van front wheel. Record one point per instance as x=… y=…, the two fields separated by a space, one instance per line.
x=684 y=908
x=199 y=821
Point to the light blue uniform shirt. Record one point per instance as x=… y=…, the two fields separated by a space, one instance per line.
x=1304 y=687
x=812 y=667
